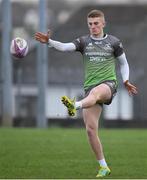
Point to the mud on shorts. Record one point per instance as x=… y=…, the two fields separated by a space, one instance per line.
x=113 y=87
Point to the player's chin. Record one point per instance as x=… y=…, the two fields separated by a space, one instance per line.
x=95 y=34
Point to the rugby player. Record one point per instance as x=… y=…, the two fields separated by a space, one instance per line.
x=100 y=53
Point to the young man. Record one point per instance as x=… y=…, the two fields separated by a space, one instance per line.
x=100 y=52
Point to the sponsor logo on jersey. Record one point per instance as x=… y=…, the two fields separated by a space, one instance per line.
x=98 y=42
x=107 y=47
x=97 y=59
x=104 y=54
x=90 y=46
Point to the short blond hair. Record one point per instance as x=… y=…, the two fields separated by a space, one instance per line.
x=96 y=13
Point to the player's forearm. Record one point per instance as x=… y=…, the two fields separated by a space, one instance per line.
x=124 y=67
x=61 y=46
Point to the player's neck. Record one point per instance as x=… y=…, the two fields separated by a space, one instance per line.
x=100 y=35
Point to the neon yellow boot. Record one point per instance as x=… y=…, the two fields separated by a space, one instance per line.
x=70 y=104
x=103 y=171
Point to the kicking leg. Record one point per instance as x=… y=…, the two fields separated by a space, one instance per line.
x=100 y=93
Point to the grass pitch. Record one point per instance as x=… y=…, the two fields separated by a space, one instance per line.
x=64 y=153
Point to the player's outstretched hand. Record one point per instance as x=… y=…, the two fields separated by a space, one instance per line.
x=131 y=88
x=42 y=37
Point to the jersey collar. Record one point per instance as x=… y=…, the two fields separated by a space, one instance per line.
x=105 y=36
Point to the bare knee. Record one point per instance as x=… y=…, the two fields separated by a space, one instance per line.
x=91 y=131
x=95 y=97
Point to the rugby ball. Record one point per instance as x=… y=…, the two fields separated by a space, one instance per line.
x=19 y=47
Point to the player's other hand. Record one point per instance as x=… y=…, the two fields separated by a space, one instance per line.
x=42 y=37
x=130 y=87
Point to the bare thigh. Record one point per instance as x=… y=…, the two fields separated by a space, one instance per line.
x=102 y=93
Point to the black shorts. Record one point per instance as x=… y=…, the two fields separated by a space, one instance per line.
x=113 y=87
